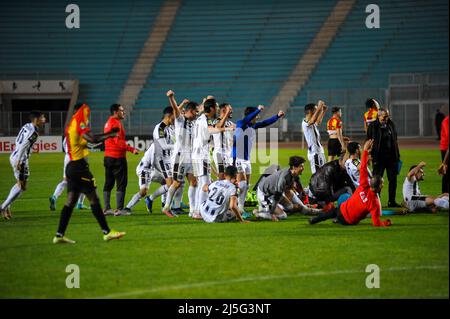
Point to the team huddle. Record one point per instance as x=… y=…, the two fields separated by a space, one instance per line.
x=195 y=142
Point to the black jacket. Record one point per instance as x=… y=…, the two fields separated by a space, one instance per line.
x=328 y=179
x=374 y=132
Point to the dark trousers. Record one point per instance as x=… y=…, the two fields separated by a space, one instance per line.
x=333 y=213
x=391 y=167
x=445 y=177
x=116 y=171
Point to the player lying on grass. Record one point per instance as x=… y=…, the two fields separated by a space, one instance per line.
x=18 y=159
x=182 y=154
x=221 y=203
x=63 y=184
x=413 y=199
x=364 y=200
x=243 y=139
x=329 y=182
x=277 y=188
x=79 y=178
x=147 y=172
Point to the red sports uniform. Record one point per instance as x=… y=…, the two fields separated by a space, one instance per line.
x=363 y=201
x=116 y=147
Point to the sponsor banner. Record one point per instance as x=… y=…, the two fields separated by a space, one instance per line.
x=44 y=144
x=142 y=142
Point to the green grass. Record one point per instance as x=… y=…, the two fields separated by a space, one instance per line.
x=184 y=258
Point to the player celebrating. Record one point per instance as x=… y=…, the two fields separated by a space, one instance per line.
x=223 y=141
x=314 y=116
x=79 y=177
x=18 y=159
x=221 y=203
x=163 y=137
x=353 y=163
x=243 y=139
x=364 y=200
x=181 y=159
x=334 y=128
x=412 y=197
x=62 y=185
x=372 y=112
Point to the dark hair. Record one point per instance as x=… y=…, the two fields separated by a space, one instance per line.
x=114 y=108
x=249 y=110
x=375 y=181
x=209 y=104
x=167 y=110
x=352 y=147
x=370 y=103
x=223 y=105
x=231 y=171
x=335 y=109
x=382 y=109
x=77 y=106
x=412 y=167
x=309 y=107
x=35 y=115
x=191 y=105
x=296 y=161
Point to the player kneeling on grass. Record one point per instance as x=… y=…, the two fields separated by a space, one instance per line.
x=272 y=188
x=413 y=199
x=79 y=177
x=221 y=204
x=147 y=172
x=364 y=200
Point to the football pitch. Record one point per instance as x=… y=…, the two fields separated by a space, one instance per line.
x=184 y=258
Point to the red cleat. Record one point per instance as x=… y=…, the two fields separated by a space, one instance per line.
x=328 y=207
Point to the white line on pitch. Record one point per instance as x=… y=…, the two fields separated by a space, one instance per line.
x=259 y=278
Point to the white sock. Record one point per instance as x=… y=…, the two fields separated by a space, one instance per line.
x=134 y=200
x=441 y=202
x=263 y=215
x=201 y=195
x=170 y=195
x=81 y=198
x=191 y=195
x=14 y=193
x=178 y=197
x=59 y=189
x=243 y=188
x=160 y=191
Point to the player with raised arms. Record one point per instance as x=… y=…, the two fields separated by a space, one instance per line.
x=313 y=118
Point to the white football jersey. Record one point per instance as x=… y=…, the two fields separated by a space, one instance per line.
x=351 y=166
x=163 y=138
x=146 y=162
x=201 y=138
x=25 y=140
x=218 y=201
x=223 y=141
x=312 y=137
x=410 y=188
x=183 y=135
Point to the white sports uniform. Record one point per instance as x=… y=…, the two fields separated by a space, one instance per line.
x=351 y=166
x=223 y=142
x=146 y=171
x=411 y=195
x=182 y=153
x=216 y=208
x=316 y=154
x=201 y=162
x=24 y=143
x=66 y=157
x=163 y=138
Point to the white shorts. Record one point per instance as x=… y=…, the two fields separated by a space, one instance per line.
x=316 y=160
x=265 y=202
x=201 y=167
x=181 y=167
x=145 y=177
x=23 y=173
x=222 y=161
x=416 y=203
x=164 y=165
x=243 y=166
x=222 y=218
